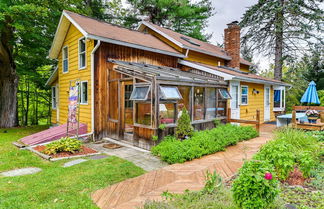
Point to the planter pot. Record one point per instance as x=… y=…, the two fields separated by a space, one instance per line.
x=312 y=119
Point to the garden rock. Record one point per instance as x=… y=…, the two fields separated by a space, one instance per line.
x=21 y=172
x=74 y=162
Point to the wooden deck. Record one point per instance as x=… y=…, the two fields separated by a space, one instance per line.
x=176 y=178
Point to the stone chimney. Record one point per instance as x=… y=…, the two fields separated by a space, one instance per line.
x=233 y=43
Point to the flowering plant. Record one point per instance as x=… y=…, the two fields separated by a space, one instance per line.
x=268 y=176
x=313 y=113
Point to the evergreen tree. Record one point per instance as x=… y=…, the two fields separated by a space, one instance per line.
x=184 y=128
x=282 y=28
x=182 y=16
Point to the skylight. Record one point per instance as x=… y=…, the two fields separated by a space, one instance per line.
x=189 y=41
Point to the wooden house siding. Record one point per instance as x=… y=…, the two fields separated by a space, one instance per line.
x=244 y=68
x=255 y=101
x=165 y=40
x=107 y=80
x=71 y=40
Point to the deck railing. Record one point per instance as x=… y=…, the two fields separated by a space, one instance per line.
x=256 y=122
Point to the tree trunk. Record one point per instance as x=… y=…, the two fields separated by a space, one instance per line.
x=8 y=81
x=279 y=42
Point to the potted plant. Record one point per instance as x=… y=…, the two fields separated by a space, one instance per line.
x=312 y=116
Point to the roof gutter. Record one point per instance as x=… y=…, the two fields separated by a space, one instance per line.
x=50 y=79
x=92 y=85
x=239 y=78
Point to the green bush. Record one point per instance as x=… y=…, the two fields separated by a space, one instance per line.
x=202 y=143
x=319 y=135
x=291 y=148
x=65 y=144
x=184 y=128
x=251 y=189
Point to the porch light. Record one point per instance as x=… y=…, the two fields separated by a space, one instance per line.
x=254 y=91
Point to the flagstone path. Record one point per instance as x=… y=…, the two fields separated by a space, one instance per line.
x=21 y=172
x=133 y=193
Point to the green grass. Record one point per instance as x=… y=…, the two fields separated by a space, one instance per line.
x=55 y=186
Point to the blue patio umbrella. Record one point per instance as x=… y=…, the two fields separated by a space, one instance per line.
x=310 y=95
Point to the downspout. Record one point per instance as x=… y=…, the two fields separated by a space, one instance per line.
x=92 y=86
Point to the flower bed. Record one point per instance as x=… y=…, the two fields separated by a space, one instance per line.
x=202 y=143
x=84 y=151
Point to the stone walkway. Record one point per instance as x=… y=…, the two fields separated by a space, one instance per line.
x=21 y=172
x=141 y=158
x=176 y=178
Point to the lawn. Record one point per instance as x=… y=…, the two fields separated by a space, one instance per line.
x=55 y=186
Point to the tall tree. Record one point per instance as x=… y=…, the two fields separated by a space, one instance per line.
x=27 y=28
x=183 y=16
x=282 y=28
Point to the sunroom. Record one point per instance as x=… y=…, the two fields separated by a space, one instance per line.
x=155 y=95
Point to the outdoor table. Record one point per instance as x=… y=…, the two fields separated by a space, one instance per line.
x=284 y=120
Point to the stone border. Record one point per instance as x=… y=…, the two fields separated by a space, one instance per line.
x=47 y=157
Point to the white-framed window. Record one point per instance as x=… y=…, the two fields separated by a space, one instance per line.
x=279 y=98
x=82 y=53
x=54 y=97
x=244 y=95
x=84 y=92
x=65 y=59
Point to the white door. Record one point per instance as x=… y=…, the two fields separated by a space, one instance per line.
x=235 y=107
x=266 y=103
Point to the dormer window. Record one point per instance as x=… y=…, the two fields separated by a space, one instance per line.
x=82 y=53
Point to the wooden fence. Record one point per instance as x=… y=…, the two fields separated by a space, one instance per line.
x=256 y=122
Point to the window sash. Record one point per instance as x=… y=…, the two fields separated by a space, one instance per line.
x=244 y=96
x=134 y=95
x=84 y=92
x=65 y=57
x=82 y=53
x=224 y=94
x=167 y=90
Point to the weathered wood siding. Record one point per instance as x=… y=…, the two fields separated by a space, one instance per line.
x=108 y=84
x=71 y=40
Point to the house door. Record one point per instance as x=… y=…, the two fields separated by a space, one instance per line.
x=234 y=104
x=127 y=112
x=266 y=103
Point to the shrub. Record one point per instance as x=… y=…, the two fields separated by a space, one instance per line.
x=184 y=128
x=65 y=144
x=306 y=162
x=256 y=185
x=319 y=135
x=202 y=143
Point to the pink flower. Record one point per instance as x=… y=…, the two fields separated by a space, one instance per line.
x=268 y=176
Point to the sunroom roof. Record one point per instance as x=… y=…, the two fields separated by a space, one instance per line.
x=161 y=73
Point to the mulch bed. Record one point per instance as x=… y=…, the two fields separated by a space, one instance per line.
x=84 y=151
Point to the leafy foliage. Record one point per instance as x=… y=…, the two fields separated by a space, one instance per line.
x=251 y=189
x=202 y=143
x=65 y=144
x=184 y=128
x=183 y=16
x=289 y=149
x=319 y=135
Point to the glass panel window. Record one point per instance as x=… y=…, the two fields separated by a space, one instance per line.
x=140 y=93
x=244 y=95
x=211 y=103
x=65 y=56
x=167 y=113
x=277 y=98
x=184 y=101
x=84 y=92
x=54 y=101
x=170 y=92
x=82 y=53
x=199 y=103
x=221 y=105
x=143 y=113
x=224 y=94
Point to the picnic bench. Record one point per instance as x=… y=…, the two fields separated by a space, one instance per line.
x=318 y=126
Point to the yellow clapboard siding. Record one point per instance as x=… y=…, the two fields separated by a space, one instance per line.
x=255 y=101
x=165 y=40
x=72 y=40
x=204 y=58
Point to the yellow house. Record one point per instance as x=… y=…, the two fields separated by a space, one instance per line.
x=133 y=81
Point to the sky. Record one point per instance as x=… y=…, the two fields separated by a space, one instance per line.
x=228 y=11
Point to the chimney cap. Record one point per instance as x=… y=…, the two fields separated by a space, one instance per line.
x=233 y=23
